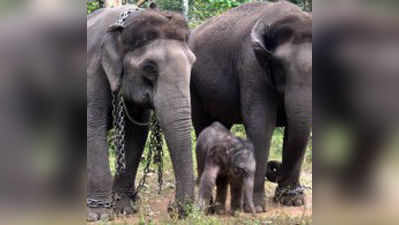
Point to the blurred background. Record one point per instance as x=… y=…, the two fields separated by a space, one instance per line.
x=356 y=108
x=42 y=111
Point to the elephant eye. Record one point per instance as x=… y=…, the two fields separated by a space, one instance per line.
x=150 y=67
x=238 y=171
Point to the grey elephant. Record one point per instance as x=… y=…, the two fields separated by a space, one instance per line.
x=144 y=56
x=254 y=66
x=223 y=160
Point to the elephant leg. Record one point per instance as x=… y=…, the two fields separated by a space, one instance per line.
x=124 y=184
x=259 y=125
x=207 y=182
x=236 y=195
x=99 y=186
x=221 y=193
x=289 y=191
x=199 y=117
x=200 y=121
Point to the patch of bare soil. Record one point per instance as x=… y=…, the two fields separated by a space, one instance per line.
x=153 y=207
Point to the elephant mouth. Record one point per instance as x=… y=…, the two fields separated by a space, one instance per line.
x=131 y=110
x=134 y=120
x=148 y=105
x=143 y=103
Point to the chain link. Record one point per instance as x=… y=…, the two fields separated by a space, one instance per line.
x=120 y=135
x=92 y=203
x=154 y=153
x=156 y=143
x=290 y=191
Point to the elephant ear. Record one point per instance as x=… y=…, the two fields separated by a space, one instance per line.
x=265 y=39
x=112 y=56
x=260 y=40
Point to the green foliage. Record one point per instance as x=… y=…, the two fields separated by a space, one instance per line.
x=171 y=5
x=201 y=10
x=92 y=6
x=276 y=145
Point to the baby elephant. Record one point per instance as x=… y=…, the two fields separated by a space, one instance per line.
x=224 y=159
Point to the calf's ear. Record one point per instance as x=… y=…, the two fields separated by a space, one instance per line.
x=112 y=56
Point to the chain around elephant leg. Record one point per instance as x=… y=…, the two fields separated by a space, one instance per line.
x=291 y=195
x=125 y=203
x=99 y=210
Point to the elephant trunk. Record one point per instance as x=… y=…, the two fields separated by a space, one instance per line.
x=248 y=187
x=173 y=109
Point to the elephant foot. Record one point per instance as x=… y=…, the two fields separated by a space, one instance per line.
x=178 y=210
x=217 y=209
x=235 y=212
x=258 y=209
x=125 y=203
x=247 y=209
x=96 y=214
x=259 y=203
x=272 y=170
x=99 y=210
x=290 y=195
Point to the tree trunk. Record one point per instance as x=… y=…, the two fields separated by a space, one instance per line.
x=185 y=9
x=308 y=5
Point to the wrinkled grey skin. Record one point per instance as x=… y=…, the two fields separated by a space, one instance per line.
x=224 y=159
x=254 y=66
x=153 y=76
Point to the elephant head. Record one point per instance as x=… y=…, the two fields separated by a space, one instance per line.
x=284 y=49
x=148 y=60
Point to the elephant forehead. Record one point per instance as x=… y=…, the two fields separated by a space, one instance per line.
x=151 y=23
x=161 y=50
x=304 y=57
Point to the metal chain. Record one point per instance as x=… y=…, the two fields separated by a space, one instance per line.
x=118 y=115
x=119 y=129
x=154 y=153
x=281 y=191
x=156 y=143
x=92 y=203
x=119 y=140
x=125 y=14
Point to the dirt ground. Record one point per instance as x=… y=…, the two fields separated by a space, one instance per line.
x=152 y=209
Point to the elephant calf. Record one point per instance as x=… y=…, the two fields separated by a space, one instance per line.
x=224 y=159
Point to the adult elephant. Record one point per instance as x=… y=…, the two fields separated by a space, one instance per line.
x=254 y=66
x=144 y=56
